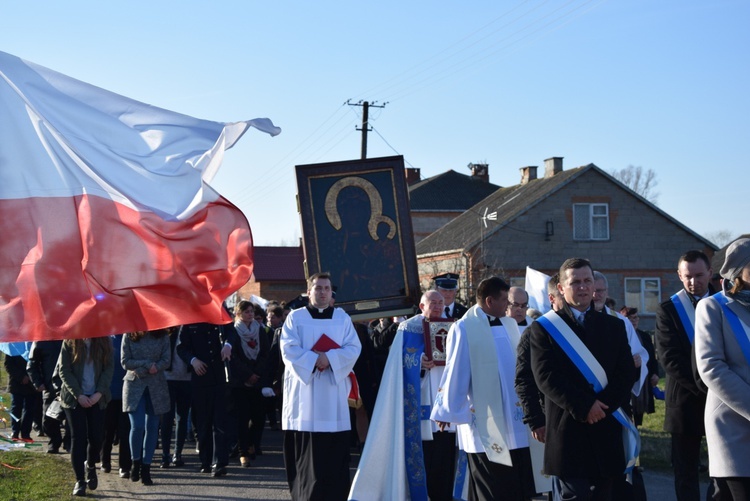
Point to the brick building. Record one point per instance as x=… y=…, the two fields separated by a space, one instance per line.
x=582 y=212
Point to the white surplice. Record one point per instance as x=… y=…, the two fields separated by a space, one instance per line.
x=316 y=401
x=636 y=348
x=456 y=403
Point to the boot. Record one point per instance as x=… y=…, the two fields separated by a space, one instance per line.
x=92 y=481
x=80 y=488
x=146 y=475
x=135 y=471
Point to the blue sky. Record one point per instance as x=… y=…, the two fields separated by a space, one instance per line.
x=662 y=85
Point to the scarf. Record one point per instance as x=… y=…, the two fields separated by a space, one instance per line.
x=250 y=338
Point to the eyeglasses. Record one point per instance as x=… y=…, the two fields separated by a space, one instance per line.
x=520 y=305
x=600 y=291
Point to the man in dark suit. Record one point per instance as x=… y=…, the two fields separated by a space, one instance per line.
x=447 y=285
x=583 y=446
x=685 y=399
x=205 y=348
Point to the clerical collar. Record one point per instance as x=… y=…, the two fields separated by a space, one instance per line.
x=320 y=314
x=494 y=321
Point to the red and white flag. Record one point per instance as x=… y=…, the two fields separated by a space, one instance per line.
x=107 y=220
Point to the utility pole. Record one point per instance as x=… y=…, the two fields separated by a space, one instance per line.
x=365 y=119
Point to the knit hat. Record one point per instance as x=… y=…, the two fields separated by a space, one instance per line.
x=737 y=257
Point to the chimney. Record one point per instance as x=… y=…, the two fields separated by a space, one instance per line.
x=480 y=171
x=552 y=166
x=528 y=173
x=412 y=175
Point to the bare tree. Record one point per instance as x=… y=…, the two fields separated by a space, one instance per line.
x=720 y=237
x=639 y=180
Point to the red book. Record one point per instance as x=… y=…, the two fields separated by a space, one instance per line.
x=324 y=343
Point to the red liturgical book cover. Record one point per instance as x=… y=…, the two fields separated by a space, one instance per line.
x=324 y=343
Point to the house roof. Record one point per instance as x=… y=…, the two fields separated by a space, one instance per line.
x=464 y=231
x=282 y=264
x=449 y=191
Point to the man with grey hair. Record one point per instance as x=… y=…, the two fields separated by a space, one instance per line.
x=518 y=303
x=406 y=455
x=640 y=355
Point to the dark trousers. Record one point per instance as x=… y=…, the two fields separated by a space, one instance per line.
x=51 y=426
x=734 y=488
x=249 y=406
x=585 y=489
x=116 y=424
x=317 y=465
x=497 y=482
x=440 y=465
x=86 y=431
x=686 y=461
x=210 y=413
x=22 y=408
x=179 y=396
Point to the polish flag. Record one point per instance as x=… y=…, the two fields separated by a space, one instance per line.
x=107 y=220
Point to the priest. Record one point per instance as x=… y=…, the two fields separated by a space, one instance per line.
x=319 y=347
x=480 y=367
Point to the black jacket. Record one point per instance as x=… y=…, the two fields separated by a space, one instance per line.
x=532 y=400
x=685 y=400
x=42 y=360
x=573 y=447
x=204 y=342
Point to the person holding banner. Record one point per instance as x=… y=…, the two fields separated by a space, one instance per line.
x=582 y=364
x=722 y=353
x=685 y=396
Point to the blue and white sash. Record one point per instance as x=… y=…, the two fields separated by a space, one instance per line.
x=686 y=312
x=412 y=363
x=594 y=373
x=741 y=329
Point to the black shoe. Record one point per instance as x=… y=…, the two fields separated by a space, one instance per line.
x=205 y=469
x=80 y=488
x=124 y=473
x=106 y=467
x=219 y=471
x=135 y=471
x=51 y=449
x=177 y=460
x=91 y=479
x=146 y=475
x=164 y=464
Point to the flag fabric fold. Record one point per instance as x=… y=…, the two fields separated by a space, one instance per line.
x=108 y=219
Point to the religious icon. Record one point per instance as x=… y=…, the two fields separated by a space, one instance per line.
x=435 y=336
x=357 y=226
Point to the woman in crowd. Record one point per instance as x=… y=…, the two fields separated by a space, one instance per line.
x=85 y=369
x=248 y=376
x=722 y=351
x=145 y=395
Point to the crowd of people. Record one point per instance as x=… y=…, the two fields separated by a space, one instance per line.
x=505 y=402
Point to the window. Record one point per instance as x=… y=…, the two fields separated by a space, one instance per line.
x=591 y=221
x=643 y=293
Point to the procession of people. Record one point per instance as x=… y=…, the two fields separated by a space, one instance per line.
x=496 y=406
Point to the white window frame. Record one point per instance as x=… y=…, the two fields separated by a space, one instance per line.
x=642 y=310
x=592 y=217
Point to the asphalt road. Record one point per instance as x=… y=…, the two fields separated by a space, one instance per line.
x=264 y=480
